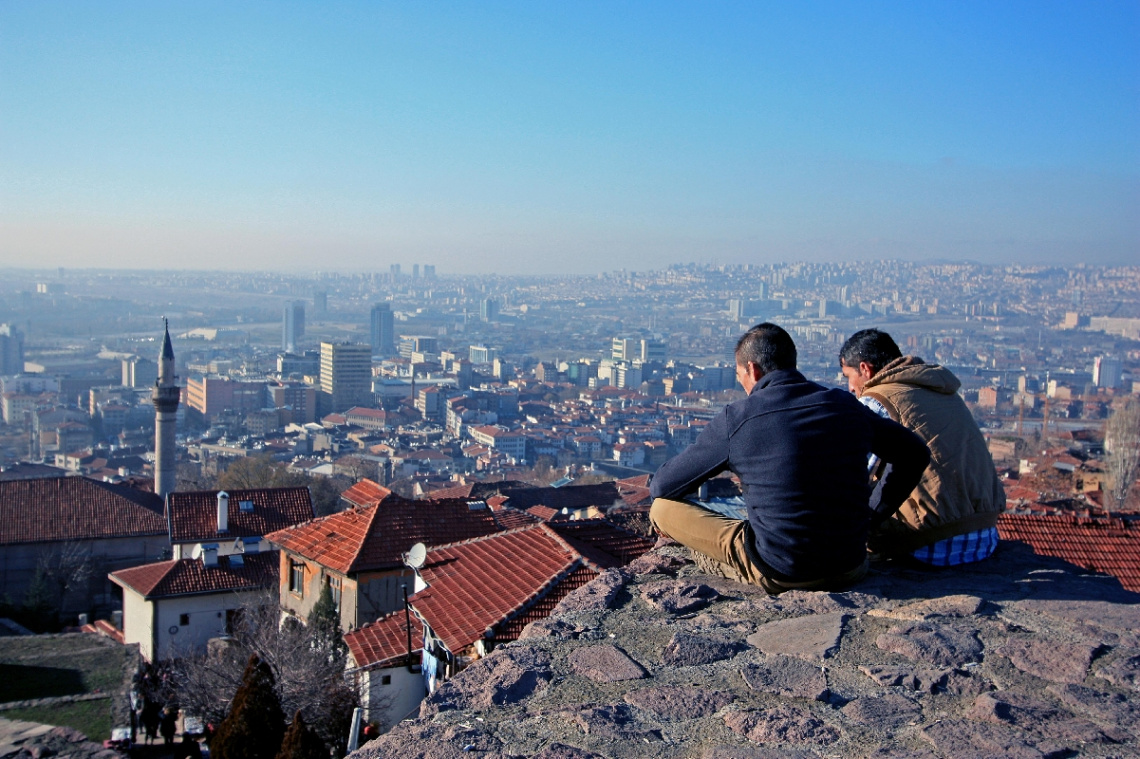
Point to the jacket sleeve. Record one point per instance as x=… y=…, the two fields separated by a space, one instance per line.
x=907 y=456
x=704 y=459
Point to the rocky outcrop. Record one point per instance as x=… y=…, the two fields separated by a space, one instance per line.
x=31 y=740
x=1019 y=656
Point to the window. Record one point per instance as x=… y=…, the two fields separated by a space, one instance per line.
x=245 y=505
x=334 y=588
x=297 y=577
x=183 y=619
x=385 y=679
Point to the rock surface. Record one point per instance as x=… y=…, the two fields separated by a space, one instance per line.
x=31 y=740
x=1019 y=656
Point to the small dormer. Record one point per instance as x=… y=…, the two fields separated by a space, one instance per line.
x=245 y=506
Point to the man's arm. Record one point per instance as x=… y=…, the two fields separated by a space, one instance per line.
x=705 y=458
x=907 y=456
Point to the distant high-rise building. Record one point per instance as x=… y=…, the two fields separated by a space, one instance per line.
x=394 y=270
x=1107 y=371
x=481 y=354
x=383 y=330
x=346 y=375
x=11 y=350
x=488 y=309
x=292 y=325
x=139 y=372
x=165 y=396
x=415 y=271
x=429 y=271
x=410 y=344
x=321 y=302
x=637 y=349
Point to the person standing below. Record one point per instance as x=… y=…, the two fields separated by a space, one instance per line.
x=951 y=517
x=800 y=451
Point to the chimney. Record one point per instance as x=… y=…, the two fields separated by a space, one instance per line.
x=223 y=511
x=210 y=555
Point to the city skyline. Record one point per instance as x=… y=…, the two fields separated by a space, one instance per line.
x=532 y=139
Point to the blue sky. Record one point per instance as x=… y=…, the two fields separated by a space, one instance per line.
x=548 y=137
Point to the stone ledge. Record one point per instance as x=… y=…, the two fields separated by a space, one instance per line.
x=1017 y=656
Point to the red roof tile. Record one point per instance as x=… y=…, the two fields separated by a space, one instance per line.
x=602 y=542
x=486 y=583
x=376 y=537
x=545 y=513
x=1110 y=546
x=75 y=508
x=512 y=519
x=180 y=577
x=455 y=491
x=194 y=515
x=385 y=641
x=366 y=493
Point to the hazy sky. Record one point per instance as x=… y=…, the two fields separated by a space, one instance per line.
x=548 y=137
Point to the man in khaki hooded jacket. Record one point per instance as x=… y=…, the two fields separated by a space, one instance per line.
x=951 y=517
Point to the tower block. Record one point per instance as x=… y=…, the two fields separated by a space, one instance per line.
x=166 y=396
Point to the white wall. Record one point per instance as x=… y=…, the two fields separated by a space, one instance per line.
x=388 y=704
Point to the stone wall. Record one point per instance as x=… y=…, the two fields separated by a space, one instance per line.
x=1018 y=656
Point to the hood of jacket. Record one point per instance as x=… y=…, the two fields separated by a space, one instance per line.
x=912 y=370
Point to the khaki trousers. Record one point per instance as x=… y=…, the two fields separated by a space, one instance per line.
x=731 y=542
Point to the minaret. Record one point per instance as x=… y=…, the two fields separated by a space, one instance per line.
x=166 y=395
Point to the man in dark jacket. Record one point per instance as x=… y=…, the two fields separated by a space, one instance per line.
x=800 y=451
x=951 y=518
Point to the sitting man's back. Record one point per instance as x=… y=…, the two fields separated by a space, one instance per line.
x=800 y=451
x=952 y=515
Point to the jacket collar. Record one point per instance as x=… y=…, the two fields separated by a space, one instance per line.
x=779 y=377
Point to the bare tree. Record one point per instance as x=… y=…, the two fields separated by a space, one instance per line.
x=1122 y=451
x=308 y=675
x=66 y=566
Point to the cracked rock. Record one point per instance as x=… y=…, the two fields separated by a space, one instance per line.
x=940 y=645
x=1050 y=660
x=791 y=678
x=689 y=650
x=812 y=637
x=605 y=664
x=784 y=724
x=679 y=596
x=679 y=702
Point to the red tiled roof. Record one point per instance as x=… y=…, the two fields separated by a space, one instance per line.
x=541 y=608
x=194 y=515
x=1107 y=545
x=511 y=519
x=366 y=493
x=75 y=508
x=488 y=582
x=455 y=491
x=545 y=513
x=106 y=629
x=602 y=542
x=385 y=641
x=376 y=537
x=180 y=577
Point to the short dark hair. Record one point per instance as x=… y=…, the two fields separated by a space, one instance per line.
x=768 y=346
x=874 y=346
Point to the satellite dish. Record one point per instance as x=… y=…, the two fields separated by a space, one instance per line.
x=415 y=556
